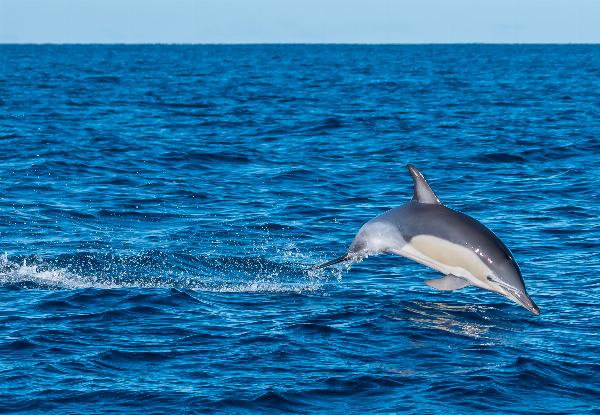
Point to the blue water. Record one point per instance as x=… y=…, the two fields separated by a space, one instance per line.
x=158 y=205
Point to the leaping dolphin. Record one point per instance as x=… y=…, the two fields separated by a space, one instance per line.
x=458 y=246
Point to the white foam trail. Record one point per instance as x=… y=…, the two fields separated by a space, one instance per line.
x=13 y=273
x=246 y=277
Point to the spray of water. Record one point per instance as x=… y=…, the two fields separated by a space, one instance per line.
x=282 y=271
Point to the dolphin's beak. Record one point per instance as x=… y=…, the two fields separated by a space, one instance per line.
x=523 y=300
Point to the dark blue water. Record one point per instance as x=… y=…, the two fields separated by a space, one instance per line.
x=158 y=205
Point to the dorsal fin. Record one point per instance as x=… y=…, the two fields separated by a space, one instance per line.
x=423 y=192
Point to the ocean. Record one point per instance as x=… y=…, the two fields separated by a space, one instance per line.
x=160 y=206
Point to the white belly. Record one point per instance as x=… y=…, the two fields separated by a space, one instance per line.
x=447 y=258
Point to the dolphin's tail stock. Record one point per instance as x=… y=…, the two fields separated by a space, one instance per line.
x=346 y=257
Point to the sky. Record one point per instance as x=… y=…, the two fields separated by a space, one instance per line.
x=300 y=21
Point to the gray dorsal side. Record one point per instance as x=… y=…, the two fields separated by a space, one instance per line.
x=423 y=192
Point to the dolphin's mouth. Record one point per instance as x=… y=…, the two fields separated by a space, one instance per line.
x=524 y=300
x=517 y=296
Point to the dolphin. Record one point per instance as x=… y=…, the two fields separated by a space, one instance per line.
x=463 y=249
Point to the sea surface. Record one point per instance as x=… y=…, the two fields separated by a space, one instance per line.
x=160 y=205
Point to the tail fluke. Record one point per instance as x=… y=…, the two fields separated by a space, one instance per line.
x=335 y=261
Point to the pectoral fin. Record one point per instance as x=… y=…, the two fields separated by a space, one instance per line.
x=448 y=283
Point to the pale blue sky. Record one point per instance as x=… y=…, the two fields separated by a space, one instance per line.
x=299 y=21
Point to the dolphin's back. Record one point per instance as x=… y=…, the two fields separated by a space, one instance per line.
x=415 y=218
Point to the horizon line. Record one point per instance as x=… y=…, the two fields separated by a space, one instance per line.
x=290 y=43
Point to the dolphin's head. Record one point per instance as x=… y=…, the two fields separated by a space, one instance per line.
x=506 y=275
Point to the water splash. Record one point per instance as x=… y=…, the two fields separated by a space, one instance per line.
x=37 y=274
x=157 y=269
